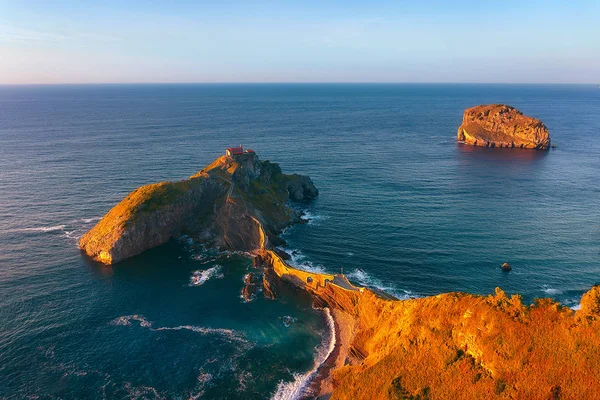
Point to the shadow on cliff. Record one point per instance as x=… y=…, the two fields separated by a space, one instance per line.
x=149 y=263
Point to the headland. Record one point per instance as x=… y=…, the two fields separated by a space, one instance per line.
x=453 y=345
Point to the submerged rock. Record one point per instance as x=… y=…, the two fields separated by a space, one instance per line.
x=221 y=205
x=499 y=125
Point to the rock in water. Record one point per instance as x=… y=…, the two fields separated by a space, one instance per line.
x=506 y=267
x=499 y=125
x=221 y=205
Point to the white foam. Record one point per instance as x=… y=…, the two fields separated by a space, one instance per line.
x=288 y=321
x=576 y=307
x=365 y=279
x=90 y=220
x=203 y=379
x=141 y=392
x=74 y=234
x=127 y=319
x=229 y=333
x=311 y=218
x=297 y=388
x=298 y=260
x=551 y=291
x=42 y=229
x=200 y=277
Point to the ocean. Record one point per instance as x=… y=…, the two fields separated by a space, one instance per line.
x=402 y=207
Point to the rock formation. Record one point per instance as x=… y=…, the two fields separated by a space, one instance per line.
x=221 y=205
x=449 y=346
x=499 y=125
x=453 y=345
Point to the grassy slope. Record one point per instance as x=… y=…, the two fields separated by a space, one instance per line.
x=460 y=346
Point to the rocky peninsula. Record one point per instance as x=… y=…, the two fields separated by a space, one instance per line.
x=220 y=205
x=499 y=125
x=449 y=346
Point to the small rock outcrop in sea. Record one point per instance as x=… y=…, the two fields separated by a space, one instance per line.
x=506 y=267
x=221 y=205
x=499 y=125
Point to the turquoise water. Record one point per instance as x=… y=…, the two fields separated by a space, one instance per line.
x=402 y=207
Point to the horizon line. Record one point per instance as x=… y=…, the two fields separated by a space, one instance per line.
x=295 y=83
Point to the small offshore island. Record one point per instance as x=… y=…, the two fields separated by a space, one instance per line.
x=449 y=346
x=499 y=125
x=220 y=205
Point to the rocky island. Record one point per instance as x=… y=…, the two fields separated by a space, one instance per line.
x=499 y=125
x=449 y=346
x=220 y=205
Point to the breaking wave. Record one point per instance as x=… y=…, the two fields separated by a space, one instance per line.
x=90 y=220
x=127 y=320
x=298 y=260
x=551 y=291
x=311 y=218
x=71 y=230
x=367 y=280
x=298 y=387
x=42 y=229
x=200 y=277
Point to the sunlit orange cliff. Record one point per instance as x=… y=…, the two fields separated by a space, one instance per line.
x=452 y=346
x=220 y=206
x=499 y=125
x=449 y=346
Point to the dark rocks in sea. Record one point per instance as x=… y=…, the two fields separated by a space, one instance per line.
x=506 y=267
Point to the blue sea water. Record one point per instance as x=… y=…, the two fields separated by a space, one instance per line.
x=402 y=207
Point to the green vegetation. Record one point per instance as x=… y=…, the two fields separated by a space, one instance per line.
x=163 y=194
x=400 y=393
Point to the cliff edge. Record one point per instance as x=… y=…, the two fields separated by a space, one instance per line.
x=450 y=346
x=220 y=205
x=499 y=125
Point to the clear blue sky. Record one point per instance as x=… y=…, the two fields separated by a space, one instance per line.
x=49 y=41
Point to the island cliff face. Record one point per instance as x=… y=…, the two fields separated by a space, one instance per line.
x=451 y=346
x=221 y=205
x=499 y=125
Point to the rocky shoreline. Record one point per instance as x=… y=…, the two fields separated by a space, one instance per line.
x=453 y=345
x=446 y=346
x=219 y=206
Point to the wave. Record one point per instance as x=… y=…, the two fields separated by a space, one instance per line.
x=42 y=229
x=72 y=229
x=298 y=260
x=367 y=280
x=200 y=277
x=311 y=218
x=551 y=291
x=126 y=320
x=89 y=220
x=298 y=387
x=203 y=378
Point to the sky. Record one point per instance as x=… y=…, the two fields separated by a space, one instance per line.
x=108 y=41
